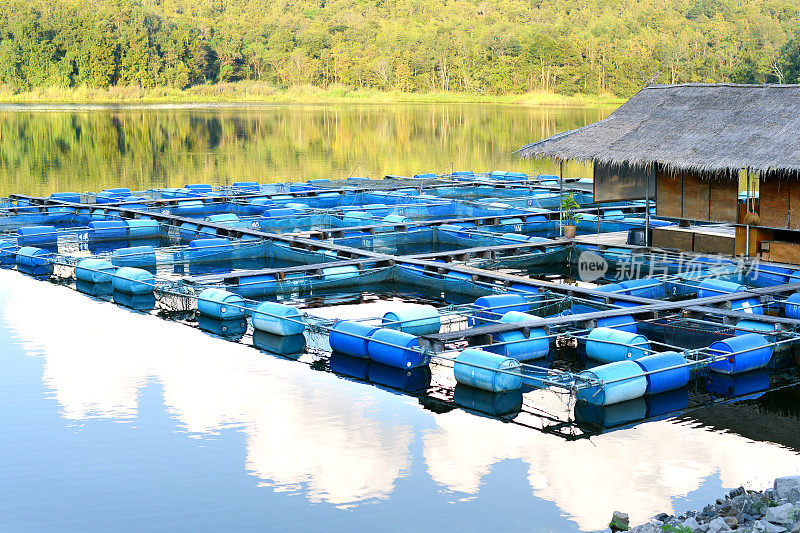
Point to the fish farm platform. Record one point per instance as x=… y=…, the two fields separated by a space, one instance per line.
x=457 y=289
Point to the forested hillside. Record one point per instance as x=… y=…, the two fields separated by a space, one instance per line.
x=488 y=46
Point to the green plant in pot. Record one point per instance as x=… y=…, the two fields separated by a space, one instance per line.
x=568 y=216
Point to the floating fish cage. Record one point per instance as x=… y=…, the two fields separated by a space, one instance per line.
x=457 y=289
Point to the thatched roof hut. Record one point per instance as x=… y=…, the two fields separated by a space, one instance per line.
x=701 y=128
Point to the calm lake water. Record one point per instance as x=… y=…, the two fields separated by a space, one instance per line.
x=71 y=148
x=118 y=420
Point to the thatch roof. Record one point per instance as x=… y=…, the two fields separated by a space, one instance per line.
x=700 y=127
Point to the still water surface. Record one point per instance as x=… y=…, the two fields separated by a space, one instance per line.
x=118 y=420
x=44 y=149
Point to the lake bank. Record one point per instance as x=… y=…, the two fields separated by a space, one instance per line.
x=775 y=510
x=253 y=92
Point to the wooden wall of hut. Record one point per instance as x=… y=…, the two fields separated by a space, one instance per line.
x=779 y=199
x=697 y=196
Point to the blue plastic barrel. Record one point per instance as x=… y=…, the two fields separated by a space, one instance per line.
x=33 y=261
x=189 y=207
x=143 y=228
x=769 y=330
x=397 y=219
x=622 y=380
x=72 y=197
x=748 y=305
x=199 y=187
x=377 y=210
x=516 y=345
x=218 y=303
x=755 y=353
x=138 y=302
x=279 y=212
x=715 y=287
x=493 y=307
x=525 y=289
x=94 y=270
x=621 y=323
x=611 y=287
x=291 y=346
x=487 y=371
x=763 y=275
x=643 y=288
x=792 y=308
x=514 y=237
x=415 y=319
x=664 y=380
x=339 y=272
x=37 y=236
x=255 y=285
x=187 y=231
x=205 y=249
x=133 y=280
x=342 y=339
x=246 y=186
x=609 y=345
x=223 y=218
x=107 y=230
x=506 y=404
x=259 y=205
x=7 y=250
x=398 y=352
x=516 y=316
x=278 y=319
x=136 y=256
x=456 y=276
x=357 y=218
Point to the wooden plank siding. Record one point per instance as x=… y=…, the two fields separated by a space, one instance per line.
x=692 y=196
x=794 y=204
x=669 y=194
x=774 y=201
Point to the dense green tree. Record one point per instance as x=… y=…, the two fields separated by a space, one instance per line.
x=565 y=46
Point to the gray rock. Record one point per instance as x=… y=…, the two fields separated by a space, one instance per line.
x=736 y=492
x=795 y=528
x=793 y=495
x=762 y=526
x=717 y=525
x=691 y=523
x=619 y=521
x=647 y=528
x=784 y=484
x=782 y=514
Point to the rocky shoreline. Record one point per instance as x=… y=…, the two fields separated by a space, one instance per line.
x=774 y=510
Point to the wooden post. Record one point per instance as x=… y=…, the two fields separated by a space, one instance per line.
x=561 y=200
x=746 y=214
